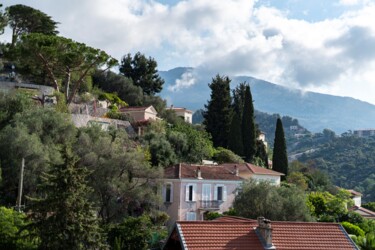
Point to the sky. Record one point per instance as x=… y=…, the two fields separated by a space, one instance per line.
x=326 y=46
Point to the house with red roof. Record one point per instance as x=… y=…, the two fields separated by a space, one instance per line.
x=240 y=233
x=190 y=191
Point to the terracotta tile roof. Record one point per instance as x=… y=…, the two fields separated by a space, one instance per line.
x=363 y=211
x=133 y=108
x=219 y=235
x=239 y=233
x=180 y=109
x=247 y=167
x=208 y=172
x=354 y=193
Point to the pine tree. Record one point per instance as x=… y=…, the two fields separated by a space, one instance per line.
x=280 y=156
x=248 y=127
x=218 y=114
x=62 y=215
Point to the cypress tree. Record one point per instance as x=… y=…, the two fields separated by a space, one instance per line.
x=63 y=216
x=218 y=114
x=262 y=153
x=235 y=135
x=248 y=127
x=280 y=156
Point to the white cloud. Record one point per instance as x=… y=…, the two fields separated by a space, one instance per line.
x=231 y=38
x=187 y=79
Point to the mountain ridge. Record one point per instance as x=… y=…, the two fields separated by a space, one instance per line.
x=314 y=111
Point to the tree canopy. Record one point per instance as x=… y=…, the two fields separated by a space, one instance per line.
x=25 y=20
x=280 y=156
x=64 y=61
x=143 y=72
x=248 y=127
x=218 y=114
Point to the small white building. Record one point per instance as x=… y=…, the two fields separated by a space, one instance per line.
x=184 y=113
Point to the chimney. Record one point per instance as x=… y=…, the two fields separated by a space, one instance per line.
x=199 y=173
x=236 y=171
x=264 y=232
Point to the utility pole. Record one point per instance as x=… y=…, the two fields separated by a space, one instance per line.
x=20 y=186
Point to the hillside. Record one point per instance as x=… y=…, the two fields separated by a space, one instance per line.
x=349 y=161
x=314 y=111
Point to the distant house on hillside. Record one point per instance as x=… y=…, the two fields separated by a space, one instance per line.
x=240 y=233
x=141 y=113
x=190 y=191
x=364 y=132
x=83 y=120
x=184 y=113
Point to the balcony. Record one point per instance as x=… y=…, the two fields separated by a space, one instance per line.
x=210 y=205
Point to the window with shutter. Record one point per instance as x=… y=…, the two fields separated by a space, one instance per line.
x=190 y=192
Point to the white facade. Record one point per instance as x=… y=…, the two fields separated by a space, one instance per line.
x=190 y=199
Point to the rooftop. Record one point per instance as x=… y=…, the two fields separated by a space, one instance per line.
x=240 y=233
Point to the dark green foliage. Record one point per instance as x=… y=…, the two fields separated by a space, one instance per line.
x=122 y=179
x=24 y=20
x=114 y=83
x=62 y=215
x=369 y=206
x=349 y=162
x=366 y=242
x=223 y=155
x=143 y=72
x=12 y=230
x=248 y=127
x=235 y=135
x=352 y=229
x=198 y=142
x=3 y=20
x=38 y=136
x=272 y=202
x=131 y=234
x=11 y=104
x=218 y=114
x=280 y=156
x=261 y=153
x=212 y=215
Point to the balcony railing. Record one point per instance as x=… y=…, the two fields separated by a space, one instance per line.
x=210 y=205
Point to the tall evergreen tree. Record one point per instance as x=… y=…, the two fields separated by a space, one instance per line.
x=248 y=127
x=280 y=156
x=218 y=114
x=62 y=215
x=261 y=153
x=235 y=135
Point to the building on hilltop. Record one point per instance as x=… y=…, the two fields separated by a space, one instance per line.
x=364 y=132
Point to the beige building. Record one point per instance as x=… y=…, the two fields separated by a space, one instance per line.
x=189 y=191
x=141 y=113
x=184 y=113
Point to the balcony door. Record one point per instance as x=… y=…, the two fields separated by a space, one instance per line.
x=206 y=194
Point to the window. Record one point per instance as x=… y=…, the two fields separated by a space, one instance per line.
x=168 y=192
x=220 y=193
x=190 y=192
x=191 y=216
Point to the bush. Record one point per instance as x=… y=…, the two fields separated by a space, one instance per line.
x=223 y=155
x=352 y=229
x=212 y=215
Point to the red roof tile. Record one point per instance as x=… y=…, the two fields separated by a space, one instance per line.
x=246 y=167
x=363 y=211
x=354 y=193
x=208 y=172
x=239 y=233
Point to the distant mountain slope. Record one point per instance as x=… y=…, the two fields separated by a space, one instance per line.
x=313 y=110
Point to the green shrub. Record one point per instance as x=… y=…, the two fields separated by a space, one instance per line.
x=352 y=229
